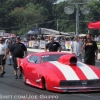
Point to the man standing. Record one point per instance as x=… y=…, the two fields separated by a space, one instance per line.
x=77 y=48
x=98 y=39
x=52 y=46
x=3 y=55
x=10 y=58
x=91 y=50
x=17 y=50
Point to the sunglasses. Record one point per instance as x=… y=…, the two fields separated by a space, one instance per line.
x=1 y=40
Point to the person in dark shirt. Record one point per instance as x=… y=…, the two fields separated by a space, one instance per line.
x=91 y=50
x=17 y=50
x=53 y=46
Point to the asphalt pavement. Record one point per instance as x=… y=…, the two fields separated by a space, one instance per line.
x=15 y=89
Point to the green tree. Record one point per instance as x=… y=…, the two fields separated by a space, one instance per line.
x=27 y=17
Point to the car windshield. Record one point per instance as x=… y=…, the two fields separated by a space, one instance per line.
x=53 y=57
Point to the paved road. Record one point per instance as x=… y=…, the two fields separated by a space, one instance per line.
x=15 y=89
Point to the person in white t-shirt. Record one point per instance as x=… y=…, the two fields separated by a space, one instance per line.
x=3 y=55
x=77 y=48
x=98 y=38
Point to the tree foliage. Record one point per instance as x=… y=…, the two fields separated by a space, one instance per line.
x=19 y=16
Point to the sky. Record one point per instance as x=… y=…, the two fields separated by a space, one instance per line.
x=64 y=0
x=60 y=1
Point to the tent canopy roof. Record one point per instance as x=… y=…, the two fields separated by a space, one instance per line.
x=94 y=25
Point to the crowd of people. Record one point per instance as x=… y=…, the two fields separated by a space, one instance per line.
x=16 y=49
x=78 y=46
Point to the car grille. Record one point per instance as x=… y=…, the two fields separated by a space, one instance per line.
x=80 y=83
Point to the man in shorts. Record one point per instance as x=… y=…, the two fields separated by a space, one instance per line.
x=17 y=50
x=3 y=55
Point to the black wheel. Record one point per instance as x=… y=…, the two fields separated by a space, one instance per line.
x=44 y=84
x=24 y=78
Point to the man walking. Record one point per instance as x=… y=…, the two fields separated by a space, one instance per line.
x=3 y=55
x=17 y=50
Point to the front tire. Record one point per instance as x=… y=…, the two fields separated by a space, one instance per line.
x=44 y=84
x=24 y=78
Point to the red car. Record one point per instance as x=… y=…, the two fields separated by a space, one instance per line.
x=60 y=72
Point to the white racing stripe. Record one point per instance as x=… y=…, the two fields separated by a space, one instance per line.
x=66 y=70
x=88 y=72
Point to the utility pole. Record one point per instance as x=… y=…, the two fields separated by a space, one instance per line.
x=70 y=10
x=57 y=25
x=36 y=25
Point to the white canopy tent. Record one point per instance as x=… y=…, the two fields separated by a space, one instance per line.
x=54 y=32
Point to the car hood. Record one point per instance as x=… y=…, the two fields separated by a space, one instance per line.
x=80 y=71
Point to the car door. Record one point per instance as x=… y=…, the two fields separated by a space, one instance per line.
x=32 y=68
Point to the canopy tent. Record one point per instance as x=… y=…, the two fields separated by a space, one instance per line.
x=94 y=25
x=33 y=31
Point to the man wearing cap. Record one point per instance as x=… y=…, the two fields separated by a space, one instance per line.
x=17 y=50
